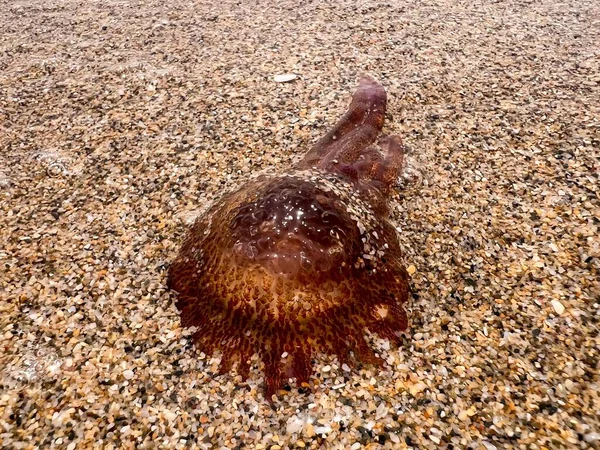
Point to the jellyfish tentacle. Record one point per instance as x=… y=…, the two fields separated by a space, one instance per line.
x=243 y=367
x=227 y=359
x=274 y=370
x=391 y=167
x=355 y=130
x=349 y=148
x=301 y=366
x=369 y=160
x=365 y=354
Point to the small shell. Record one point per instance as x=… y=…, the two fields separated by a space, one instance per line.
x=558 y=307
x=284 y=78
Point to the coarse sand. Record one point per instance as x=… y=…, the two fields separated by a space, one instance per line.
x=120 y=121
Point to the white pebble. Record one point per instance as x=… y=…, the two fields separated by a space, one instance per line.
x=558 y=307
x=381 y=411
x=294 y=425
x=435 y=438
x=170 y=415
x=592 y=437
x=323 y=430
x=284 y=77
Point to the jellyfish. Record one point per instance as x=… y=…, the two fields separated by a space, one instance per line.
x=304 y=261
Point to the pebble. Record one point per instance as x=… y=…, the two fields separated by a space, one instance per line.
x=592 y=437
x=558 y=306
x=284 y=78
x=294 y=425
x=322 y=430
x=435 y=438
x=309 y=430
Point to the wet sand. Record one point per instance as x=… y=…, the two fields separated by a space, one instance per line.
x=121 y=121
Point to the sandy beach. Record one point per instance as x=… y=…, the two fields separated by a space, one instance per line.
x=121 y=121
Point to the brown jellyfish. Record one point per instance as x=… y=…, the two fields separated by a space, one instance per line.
x=304 y=261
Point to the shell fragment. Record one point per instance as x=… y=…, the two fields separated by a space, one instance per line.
x=285 y=78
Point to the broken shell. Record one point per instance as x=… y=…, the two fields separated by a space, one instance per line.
x=284 y=78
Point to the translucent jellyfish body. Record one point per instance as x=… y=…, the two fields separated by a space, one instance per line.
x=304 y=261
